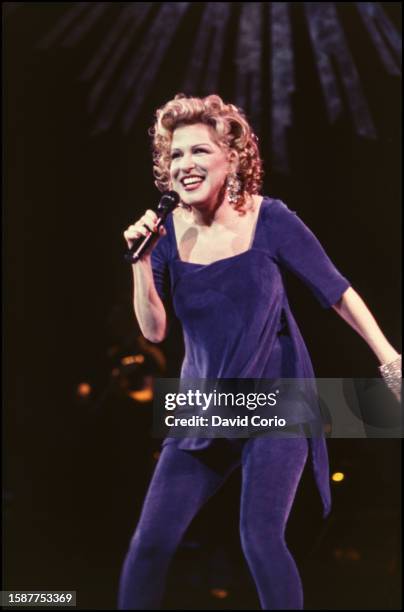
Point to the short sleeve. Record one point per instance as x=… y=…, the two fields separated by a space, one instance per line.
x=298 y=249
x=159 y=262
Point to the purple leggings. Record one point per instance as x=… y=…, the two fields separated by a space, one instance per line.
x=183 y=481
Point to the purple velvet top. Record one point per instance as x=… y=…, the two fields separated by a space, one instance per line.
x=235 y=314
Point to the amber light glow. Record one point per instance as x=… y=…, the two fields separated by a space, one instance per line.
x=130 y=359
x=143 y=395
x=219 y=593
x=83 y=389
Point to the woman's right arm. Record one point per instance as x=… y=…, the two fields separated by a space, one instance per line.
x=149 y=309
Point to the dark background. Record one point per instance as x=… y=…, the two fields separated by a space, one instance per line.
x=76 y=469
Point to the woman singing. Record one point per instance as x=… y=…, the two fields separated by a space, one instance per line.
x=223 y=251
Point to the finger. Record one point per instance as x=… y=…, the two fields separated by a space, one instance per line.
x=151 y=214
x=130 y=238
x=134 y=232
x=150 y=218
x=131 y=232
x=143 y=227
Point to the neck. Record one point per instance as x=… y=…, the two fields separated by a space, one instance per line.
x=218 y=212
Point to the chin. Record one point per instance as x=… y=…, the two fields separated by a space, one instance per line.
x=193 y=199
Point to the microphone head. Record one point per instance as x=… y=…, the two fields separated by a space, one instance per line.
x=168 y=202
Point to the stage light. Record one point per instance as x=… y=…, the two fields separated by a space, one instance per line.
x=142 y=395
x=84 y=389
x=219 y=593
x=131 y=359
x=338 y=477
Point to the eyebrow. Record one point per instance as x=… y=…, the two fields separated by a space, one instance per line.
x=200 y=144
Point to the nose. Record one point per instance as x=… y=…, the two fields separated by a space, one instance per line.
x=187 y=162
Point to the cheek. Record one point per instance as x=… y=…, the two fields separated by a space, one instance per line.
x=218 y=174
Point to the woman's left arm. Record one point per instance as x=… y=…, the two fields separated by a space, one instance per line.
x=299 y=250
x=354 y=311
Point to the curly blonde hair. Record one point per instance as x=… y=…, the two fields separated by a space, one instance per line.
x=231 y=127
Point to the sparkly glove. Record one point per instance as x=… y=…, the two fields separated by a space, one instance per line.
x=391 y=373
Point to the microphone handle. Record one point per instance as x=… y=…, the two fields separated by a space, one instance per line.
x=133 y=254
x=168 y=202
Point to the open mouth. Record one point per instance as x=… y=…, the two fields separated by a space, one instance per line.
x=191 y=183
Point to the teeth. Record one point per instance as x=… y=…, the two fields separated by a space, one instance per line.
x=192 y=181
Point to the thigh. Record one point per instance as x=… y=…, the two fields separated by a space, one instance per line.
x=272 y=468
x=182 y=482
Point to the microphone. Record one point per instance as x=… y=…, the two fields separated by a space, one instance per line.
x=168 y=202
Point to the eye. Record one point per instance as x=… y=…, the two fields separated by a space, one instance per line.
x=200 y=150
x=174 y=155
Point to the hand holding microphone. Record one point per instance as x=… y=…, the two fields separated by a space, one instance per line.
x=144 y=234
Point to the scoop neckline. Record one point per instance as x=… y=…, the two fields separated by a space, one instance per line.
x=202 y=265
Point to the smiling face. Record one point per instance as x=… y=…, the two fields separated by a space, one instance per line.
x=199 y=165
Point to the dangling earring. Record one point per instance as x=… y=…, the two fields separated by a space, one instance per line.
x=233 y=188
